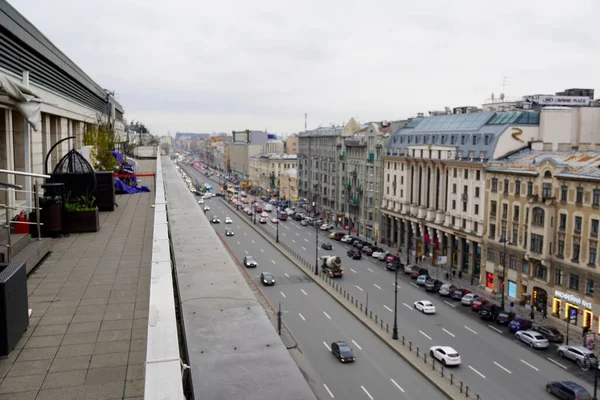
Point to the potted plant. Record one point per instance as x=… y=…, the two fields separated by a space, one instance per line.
x=81 y=215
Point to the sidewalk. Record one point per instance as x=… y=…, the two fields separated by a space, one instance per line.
x=87 y=334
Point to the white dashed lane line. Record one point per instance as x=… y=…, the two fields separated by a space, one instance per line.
x=557 y=363
x=283 y=294
x=302 y=316
x=387 y=308
x=273 y=261
x=424 y=334
x=356 y=344
x=529 y=365
x=262 y=250
x=369 y=269
x=448 y=332
x=286 y=274
x=377 y=286
x=352 y=270
x=326 y=345
x=450 y=304
x=327 y=315
x=303 y=248
x=494 y=328
x=302 y=290
x=253 y=241
x=359 y=288
x=246 y=252
x=500 y=366
x=469 y=329
x=407 y=306
x=477 y=372
x=306 y=240
x=398 y=386
x=238 y=242
x=366 y=392
x=293 y=241
x=328 y=391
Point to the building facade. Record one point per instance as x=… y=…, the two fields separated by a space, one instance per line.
x=291 y=144
x=273 y=146
x=245 y=144
x=434 y=182
x=542 y=232
x=265 y=169
x=288 y=185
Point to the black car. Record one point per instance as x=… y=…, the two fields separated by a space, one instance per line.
x=342 y=352
x=297 y=217
x=394 y=266
x=354 y=254
x=359 y=244
x=267 y=279
x=215 y=220
x=568 y=390
x=433 y=285
x=489 y=311
x=504 y=318
x=459 y=293
x=249 y=262
x=228 y=232
x=550 y=333
x=327 y=246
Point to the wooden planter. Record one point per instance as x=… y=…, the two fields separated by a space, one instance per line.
x=81 y=221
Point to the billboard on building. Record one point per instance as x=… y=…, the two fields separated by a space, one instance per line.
x=550 y=100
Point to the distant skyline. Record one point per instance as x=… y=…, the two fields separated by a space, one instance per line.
x=233 y=65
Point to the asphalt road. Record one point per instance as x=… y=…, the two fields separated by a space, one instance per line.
x=316 y=320
x=495 y=365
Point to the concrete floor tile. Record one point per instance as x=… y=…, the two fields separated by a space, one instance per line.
x=94 y=302
x=84 y=327
x=138 y=345
x=63 y=311
x=136 y=372
x=64 y=379
x=44 y=341
x=120 y=346
x=136 y=357
x=63 y=393
x=81 y=318
x=71 y=363
x=21 y=383
x=75 y=350
x=50 y=330
x=139 y=333
x=4 y=368
x=109 y=360
x=36 y=367
x=118 y=315
x=19 y=396
x=140 y=323
x=79 y=338
x=95 y=309
x=42 y=353
x=99 y=376
x=111 y=336
x=116 y=325
x=134 y=388
x=109 y=391
x=56 y=320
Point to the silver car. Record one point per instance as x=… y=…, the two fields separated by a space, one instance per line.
x=579 y=354
x=534 y=339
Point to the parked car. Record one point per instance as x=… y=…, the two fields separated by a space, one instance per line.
x=468 y=299
x=425 y=306
x=504 y=317
x=478 y=303
x=568 y=390
x=303 y=223
x=327 y=246
x=379 y=253
x=519 y=324
x=417 y=272
x=533 y=339
x=422 y=279
x=408 y=269
x=459 y=293
x=578 y=354
x=447 y=289
x=354 y=254
x=347 y=239
x=393 y=266
x=267 y=279
x=445 y=354
x=342 y=352
x=391 y=258
x=551 y=333
x=274 y=220
x=326 y=227
x=337 y=236
x=433 y=285
x=368 y=250
x=489 y=311
x=383 y=256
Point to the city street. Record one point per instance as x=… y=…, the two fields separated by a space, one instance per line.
x=494 y=363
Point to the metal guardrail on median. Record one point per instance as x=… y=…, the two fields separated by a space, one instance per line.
x=435 y=365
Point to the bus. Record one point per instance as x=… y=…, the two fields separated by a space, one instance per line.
x=282 y=215
x=208 y=187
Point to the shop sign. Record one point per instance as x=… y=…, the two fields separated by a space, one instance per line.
x=512 y=290
x=572 y=299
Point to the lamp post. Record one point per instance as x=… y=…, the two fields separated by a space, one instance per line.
x=277 y=236
x=596 y=382
x=395 y=331
x=408 y=245
x=504 y=241
x=316 y=242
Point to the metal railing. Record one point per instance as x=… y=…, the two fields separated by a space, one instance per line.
x=10 y=191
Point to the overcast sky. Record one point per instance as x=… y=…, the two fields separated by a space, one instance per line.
x=203 y=66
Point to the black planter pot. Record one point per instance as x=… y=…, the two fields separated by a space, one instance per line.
x=81 y=221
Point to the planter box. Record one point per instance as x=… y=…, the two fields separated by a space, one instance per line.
x=14 y=312
x=81 y=221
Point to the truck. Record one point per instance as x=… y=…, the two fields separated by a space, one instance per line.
x=332 y=265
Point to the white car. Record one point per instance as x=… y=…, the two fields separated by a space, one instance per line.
x=377 y=254
x=264 y=215
x=274 y=221
x=268 y=207
x=228 y=220
x=326 y=227
x=206 y=208
x=534 y=339
x=469 y=298
x=445 y=354
x=201 y=201
x=425 y=306
x=346 y=238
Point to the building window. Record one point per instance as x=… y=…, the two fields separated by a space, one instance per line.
x=517 y=188
x=491 y=256
x=466 y=174
x=454 y=204
x=516 y=213
x=525 y=267
x=558 y=277
x=529 y=188
x=564 y=190
x=464 y=206
x=506 y=186
x=512 y=262
x=538 y=217
x=594 y=228
x=477 y=175
x=493 y=207
x=477 y=192
x=454 y=188
x=562 y=222
x=515 y=235
x=475 y=227
x=537 y=243
x=576 y=249
x=504 y=211
x=593 y=256
x=455 y=173
x=486 y=139
x=541 y=272
x=547 y=190
x=476 y=209
x=579 y=196
x=492 y=231
x=589 y=287
x=574 y=281
x=596 y=198
x=578 y=223
x=494 y=185
x=560 y=250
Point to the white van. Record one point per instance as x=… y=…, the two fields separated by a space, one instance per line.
x=268 y=208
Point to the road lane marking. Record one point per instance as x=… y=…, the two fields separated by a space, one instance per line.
x=284 y=234
x=467 y=328
x=310 y=233
x=302 y=290
x=286 y=227
x=262 y=250
x=557 y=363
x=359 y=288
x=253 y=241
x=448 y=332
x=377 y=286
x=238 y=226
x=398 y=386
x=327 y=315
x=238 y=242
x=367 y=393
x=303 y=248
x=246 y=252
x=306 y=240
x=326 y=345
x=293 y=241
x=387 y=308
x=328 y=391
x=500 y=366
x=407 y=306
x=450 y=304
x=297 y=234
x=353 y=270
x=302 y=316
x=424 y=334
x=356 y=344
x=477 y=372
x=529 y=365
x=494 y=328
x=286 y=274
x=245 y=234
x=273 y=261
x=415 y=285
x=369 y=269
x=283 y=294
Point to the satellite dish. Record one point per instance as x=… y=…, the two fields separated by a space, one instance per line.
x=501 y=96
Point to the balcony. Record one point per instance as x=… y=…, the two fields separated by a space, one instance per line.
x=422 y=212
x=414 y=209
x=399 y=208
x=357 y=141
x=439 y=217
x=430 y=215
x=404 y=208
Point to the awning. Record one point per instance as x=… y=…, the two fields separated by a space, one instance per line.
x=27 y=102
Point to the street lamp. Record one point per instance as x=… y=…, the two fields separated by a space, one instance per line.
x=316 y=242
x=408 y=245
x=504 y=241
x=395 y=331
x=277 y=237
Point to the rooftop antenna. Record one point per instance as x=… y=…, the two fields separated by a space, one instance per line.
x=305 y=121
x=504 y=83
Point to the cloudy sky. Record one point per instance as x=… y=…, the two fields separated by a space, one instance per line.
x=203 y=66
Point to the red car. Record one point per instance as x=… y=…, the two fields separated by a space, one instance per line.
x=477 y=304
x=258 y=209
x=391 y=259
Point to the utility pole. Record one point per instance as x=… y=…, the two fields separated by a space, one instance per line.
x=395 y=330
x=316 y=244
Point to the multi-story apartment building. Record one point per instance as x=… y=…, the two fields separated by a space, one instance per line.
x=273 y=146
x=244 y=145
x=291 y=144
x=288 y=185
x=266 y=168
x=434 y=183
x=542 y=231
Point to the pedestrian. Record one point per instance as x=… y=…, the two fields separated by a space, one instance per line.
x=544 y=312
x=531 y=314
x=447 y=275
x=459 y=274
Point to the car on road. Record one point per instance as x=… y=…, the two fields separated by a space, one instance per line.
x=206 y=208
x=327 y=246
x=342 y=352
x=392 y=258
x=337 y=236
x=383 y=256
x=250 y=262
x=578 y=354
x=433 y=285
x=425 y=306
x=468 y=299
x=368 y=250
x=533 y=339
x=408 y=269
x=377 y=254
x=393 y=266
x=264 y=215
x=228 y=220
x=262 y=220
x=459 y=293
x=447 y=289
x=478 y=303
x=267 y=279
x=519 y=324
x=258 y=209
x=422 y=279
x=303 y=223
x=568 y=390
x=326 y=227
x=347 y=239
x=417 y=272
x=250 y=212
x=268 y=208
x=215 y=220
x=551 y=333
x=201 y=201
x=503 y=317
x=274 y=221
x=228 y=232
x=445 y=354
x=354 y=254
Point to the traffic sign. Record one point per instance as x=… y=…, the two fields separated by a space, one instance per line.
x=572 y=315
x=442 y=259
